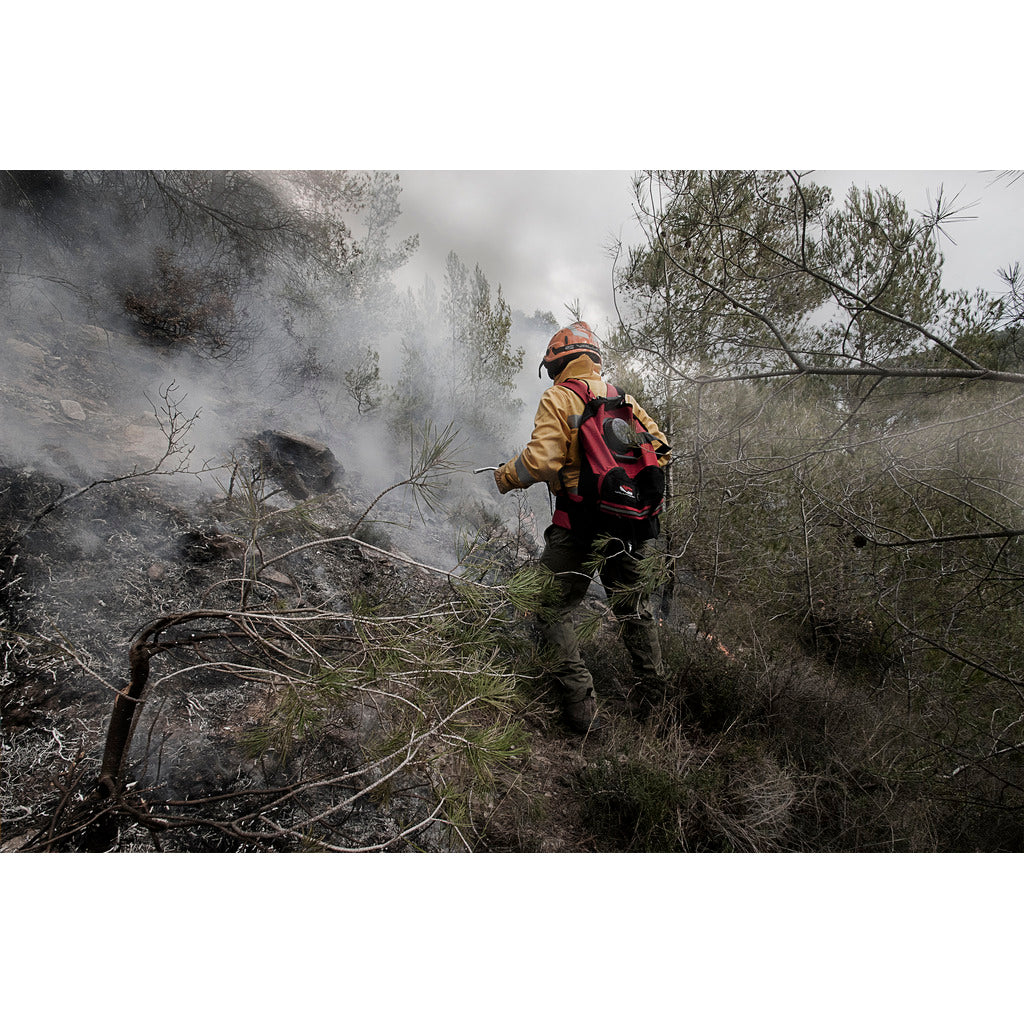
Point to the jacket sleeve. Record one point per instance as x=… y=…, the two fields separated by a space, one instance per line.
x=661 y=445
x=548 y=449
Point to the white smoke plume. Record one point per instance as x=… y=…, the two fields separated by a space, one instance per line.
x=85 y=392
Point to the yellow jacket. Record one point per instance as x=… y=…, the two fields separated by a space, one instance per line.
x=553 y=454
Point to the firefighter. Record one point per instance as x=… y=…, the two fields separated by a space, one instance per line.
x=553 y=457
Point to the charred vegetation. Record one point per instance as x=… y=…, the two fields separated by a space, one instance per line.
x=252 y=599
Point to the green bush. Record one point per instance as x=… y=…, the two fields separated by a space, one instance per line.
x=632 y=806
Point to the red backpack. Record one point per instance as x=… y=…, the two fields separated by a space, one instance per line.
x=622 y=487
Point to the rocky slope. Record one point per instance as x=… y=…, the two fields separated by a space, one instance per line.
x=97 y=546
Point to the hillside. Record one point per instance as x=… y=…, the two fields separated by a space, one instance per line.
x=82 y=581
x=84 y=578
x=254 y=597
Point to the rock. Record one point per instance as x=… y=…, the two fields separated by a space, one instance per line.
x=92 y=336
x=25 y=352
x=72 y=410
x=95 y=336
x=273 y=576
x=206 y=546
x=302 y=465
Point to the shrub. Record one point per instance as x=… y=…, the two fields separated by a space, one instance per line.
x=632 y=805
x=176 y=304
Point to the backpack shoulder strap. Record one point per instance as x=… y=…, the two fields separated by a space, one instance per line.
x=582 y=388
x=579 y=388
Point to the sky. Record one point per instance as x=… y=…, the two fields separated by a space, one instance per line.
x=559 y=86
x=545 y=236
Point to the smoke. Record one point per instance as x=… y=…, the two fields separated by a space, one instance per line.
x=92 y=385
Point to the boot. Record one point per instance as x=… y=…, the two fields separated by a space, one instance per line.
x=645 y=695
x=580 y=714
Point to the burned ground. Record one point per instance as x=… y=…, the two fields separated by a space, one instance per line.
x=322 y=702
x=80 y=586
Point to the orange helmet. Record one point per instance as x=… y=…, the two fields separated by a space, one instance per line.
x=576 y=340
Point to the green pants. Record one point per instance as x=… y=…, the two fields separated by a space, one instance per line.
x=567 y=558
